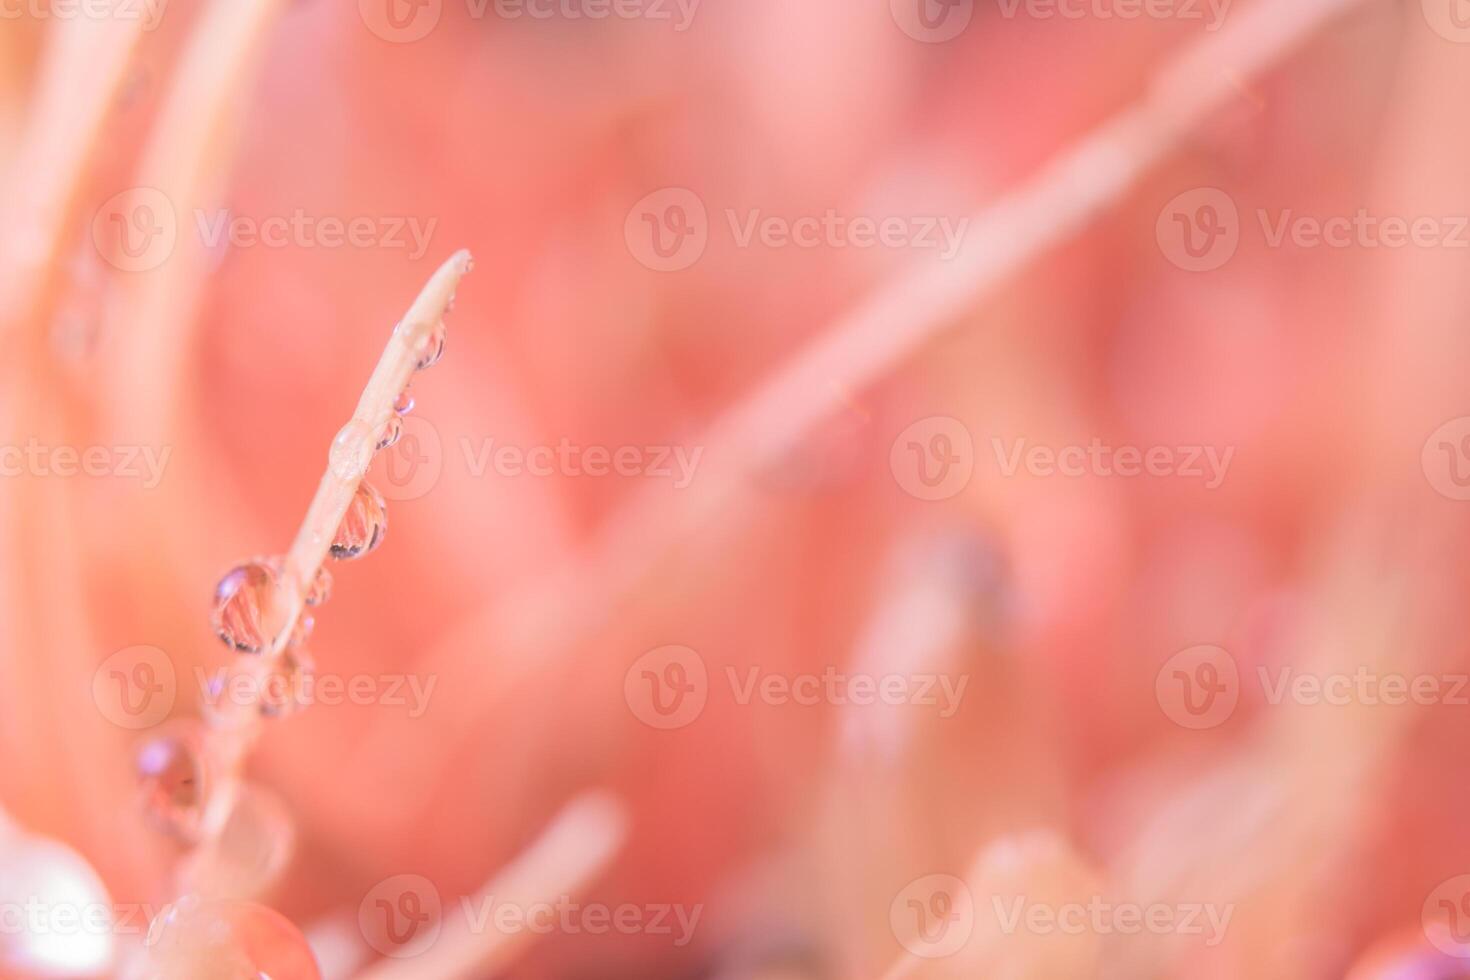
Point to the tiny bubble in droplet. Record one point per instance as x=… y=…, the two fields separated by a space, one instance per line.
x=351 y=451
x=404 y=403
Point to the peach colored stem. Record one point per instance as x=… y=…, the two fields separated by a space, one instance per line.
x=348 y=461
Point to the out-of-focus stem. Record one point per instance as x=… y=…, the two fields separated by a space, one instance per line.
x=578 y=844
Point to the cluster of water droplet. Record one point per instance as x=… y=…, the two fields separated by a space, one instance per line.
x=173 y=761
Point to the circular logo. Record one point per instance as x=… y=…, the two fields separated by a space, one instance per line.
x=135 y=687
x=411 y=467
x=401 y=917
x=934 y=458
x=1450 y=19
x=1198 y=687
x=667 y=688
x=401 y=21
x=1446 y=917
x=932 y=21
x=136 y=230
x=933 y=916
x=1446 y=459
x=667 y=230
x=1199 y=230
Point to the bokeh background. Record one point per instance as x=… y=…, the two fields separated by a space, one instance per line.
x=856 y=516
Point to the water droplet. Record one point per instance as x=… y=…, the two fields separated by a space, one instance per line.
x=364 y=525
x=224 y=939
x=431 y=346
x=253 y=848
x=241 y=605
x=352 y=451
x=46 y=875
x=174 y=777
x=392 y=430
x=404 y=403
x=284 y=689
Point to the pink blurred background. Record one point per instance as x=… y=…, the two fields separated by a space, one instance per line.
x=1329 y=382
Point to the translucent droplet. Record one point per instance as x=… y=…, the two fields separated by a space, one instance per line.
x=431 y=346
x=242 y=603
x=225 y=939
x=252 y=849
x=404 y=403
x=364 y=525
x=392 y=431
x=49 y=877
x=284 y=690
x=352 y=450
x=174 y=778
